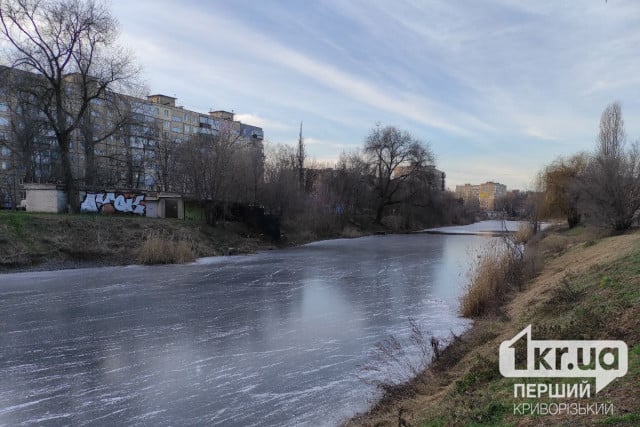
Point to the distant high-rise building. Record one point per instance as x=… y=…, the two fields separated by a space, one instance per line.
x=485 y=194
x=468 y=192
x=489 y=192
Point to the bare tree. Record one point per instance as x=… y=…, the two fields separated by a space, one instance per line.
x=300 y=157
x=70 y=46
x=281 y=193
x=611 y=184
x=611 y=138
x=207 y=163
x=395 y=158
x=247 y=171
x=351 y=185
x=30 y=151
x=559 y=183
x=27 y=138
x=165 y=156
x=109 y=121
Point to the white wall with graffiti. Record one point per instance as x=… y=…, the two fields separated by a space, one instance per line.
x=52 y=198
x=112 y=202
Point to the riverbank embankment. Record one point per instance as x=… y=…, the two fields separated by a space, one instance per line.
x=588 y=289
x=39 y=242
x=34 y=241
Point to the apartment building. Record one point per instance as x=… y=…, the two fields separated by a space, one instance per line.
x=468 y=192
x=489 y=193
x=123 y=142
x=485 y=194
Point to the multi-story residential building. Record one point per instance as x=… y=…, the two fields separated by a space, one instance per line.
x=468 y=192
x=489 y=192
x=123 y=142
x=485 y=194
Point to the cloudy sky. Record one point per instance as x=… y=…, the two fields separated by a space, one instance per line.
x=498 y=88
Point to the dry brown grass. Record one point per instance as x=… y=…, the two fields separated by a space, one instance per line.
x=351 y=232
x=34 y=241
x=524 y=233
x=503 y=266
x=162 y=250
x=554 y=244
x=487 y=282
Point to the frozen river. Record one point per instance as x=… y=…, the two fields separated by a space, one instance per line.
x=277 y=338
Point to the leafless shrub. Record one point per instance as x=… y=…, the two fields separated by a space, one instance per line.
x=532 y=262
x=393 y=363
x=502 y=266
x=554 y=244
x=523 y=234
x=162 y=250
x=351 y=232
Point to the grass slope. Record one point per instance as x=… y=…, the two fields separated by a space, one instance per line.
x=50 y=241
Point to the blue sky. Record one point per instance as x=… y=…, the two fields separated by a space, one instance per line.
x=498 y=88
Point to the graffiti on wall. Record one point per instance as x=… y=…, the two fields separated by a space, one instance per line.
x=114 y=203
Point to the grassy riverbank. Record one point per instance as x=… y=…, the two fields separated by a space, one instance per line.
x=48 y=241
x=589 y=288
x=36 y=241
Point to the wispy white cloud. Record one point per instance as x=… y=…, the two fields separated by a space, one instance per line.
x=267 y=123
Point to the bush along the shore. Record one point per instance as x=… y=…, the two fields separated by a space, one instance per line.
x=504 y=265
x=163 y=250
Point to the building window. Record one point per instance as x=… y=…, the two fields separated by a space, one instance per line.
x=187 y=128
x=166 y=125
x=166 y=113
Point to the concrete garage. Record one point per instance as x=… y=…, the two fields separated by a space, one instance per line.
x=45 y=198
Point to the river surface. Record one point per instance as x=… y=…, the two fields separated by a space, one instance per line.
x=284 y=337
